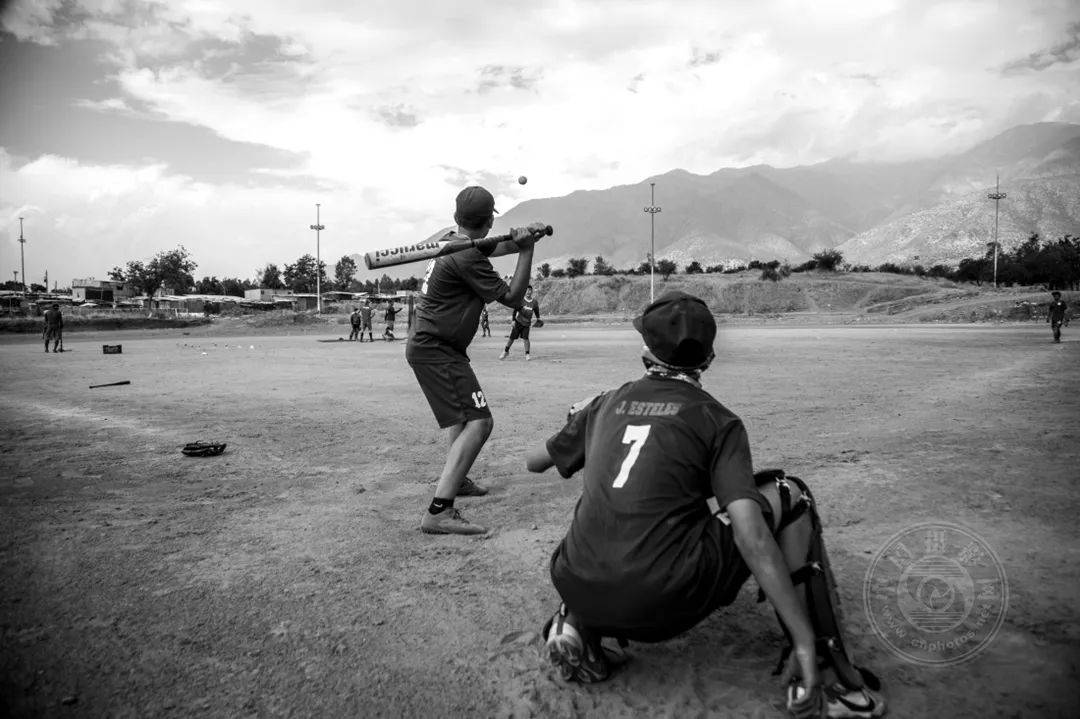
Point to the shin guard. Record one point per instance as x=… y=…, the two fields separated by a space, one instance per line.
x=816 y=579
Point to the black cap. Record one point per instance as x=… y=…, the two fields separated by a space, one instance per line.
x=474 y=207
x=678 y=329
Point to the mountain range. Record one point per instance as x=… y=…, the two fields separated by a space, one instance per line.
x=926 y=211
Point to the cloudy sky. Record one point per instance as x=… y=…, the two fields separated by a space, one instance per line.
x=129 y=127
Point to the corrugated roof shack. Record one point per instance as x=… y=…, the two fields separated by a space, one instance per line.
x=176 y=305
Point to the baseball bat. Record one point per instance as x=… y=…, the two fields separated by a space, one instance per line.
x=430 y=249
x=111 y=384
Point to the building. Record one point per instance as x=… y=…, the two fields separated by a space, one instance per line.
x=103 y=291
x=263 y=294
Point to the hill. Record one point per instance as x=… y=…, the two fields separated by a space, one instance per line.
x=935 y=210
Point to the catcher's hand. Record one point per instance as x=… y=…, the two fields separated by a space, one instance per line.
x=539 y=323
x=805 y=703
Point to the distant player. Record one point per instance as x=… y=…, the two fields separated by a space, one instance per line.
x=485 y=323
x=54 y=328
x=452 y=295
x=389 y=315
x=646 y=557
x=354 y=320
x=522 y=321
x=1057 y=315
x=365 y=320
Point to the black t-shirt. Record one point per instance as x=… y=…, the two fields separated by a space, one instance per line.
x=653 y=452
x=452 y=295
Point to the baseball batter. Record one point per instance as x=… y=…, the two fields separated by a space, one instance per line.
x=647 y=558
x=1057 y=315
x=452 y=295
x=522 y=321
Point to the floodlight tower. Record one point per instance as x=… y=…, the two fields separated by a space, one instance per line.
x=652 y=209
x=997 y=196
x=22 y=256
x=318 y=227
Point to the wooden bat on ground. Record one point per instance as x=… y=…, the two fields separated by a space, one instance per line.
x=111 y=384
x=430 y=249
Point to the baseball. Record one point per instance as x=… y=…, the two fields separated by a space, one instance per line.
x=522 y=180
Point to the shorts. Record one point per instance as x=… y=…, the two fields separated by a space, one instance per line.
x=52 y=333
x=519 y=330
x=365 y=326
x=452 y=390
x=629 y=613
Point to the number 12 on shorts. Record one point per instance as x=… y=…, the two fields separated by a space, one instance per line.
x=635 y=436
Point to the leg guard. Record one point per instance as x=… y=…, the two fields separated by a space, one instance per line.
x=817 y=580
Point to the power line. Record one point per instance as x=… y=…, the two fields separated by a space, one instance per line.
x=997 y=196
x=652 y=209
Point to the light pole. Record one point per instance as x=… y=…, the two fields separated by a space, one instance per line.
x=318 y=227
x=652 y=209
x=997 y=196
x=22 y=256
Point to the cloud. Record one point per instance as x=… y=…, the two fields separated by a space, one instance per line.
x=496 y=76
x=1067 y=52
x=397 y=115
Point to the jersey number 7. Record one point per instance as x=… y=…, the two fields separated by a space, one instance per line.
x=635 y=436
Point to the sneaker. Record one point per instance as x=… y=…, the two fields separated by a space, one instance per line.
x=470 y=488
x=504 y=355
x=865 y=703
x=448 y=521
x=574 y=655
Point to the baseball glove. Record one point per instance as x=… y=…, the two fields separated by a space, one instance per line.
x=203 y=449
x=539 y=323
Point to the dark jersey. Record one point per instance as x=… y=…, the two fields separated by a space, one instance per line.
x=53 y=318
x=365 y=316
x=524 y=315
x=653 y=452
x=354 y=318
x=452 y=295
x=391 y=313
x=1057 y=310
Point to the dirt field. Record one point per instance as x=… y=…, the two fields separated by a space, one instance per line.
x=288 y=577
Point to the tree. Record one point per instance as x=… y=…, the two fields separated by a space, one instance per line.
x=543 y=271
x=301 y=275
x=558 y=272
x=828 y=260
x=577 y=266
x=666 y=268
x=35 y=287
x=344 y=272
x=173 y=269
x=116 y=274
x=601 y=267
x=235 y=287
x=694 y=268
x=209 y=286
x=270 y=278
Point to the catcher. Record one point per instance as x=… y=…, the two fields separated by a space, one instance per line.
x=672 y=521
x=522 y=320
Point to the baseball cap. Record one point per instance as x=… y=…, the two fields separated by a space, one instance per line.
x=474 y=206
x=678 y=329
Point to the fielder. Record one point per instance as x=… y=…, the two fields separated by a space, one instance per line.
x=354 y=320
x=672 y=521
x=389 y=316
x=453 y=292
x=522 y=320
x=54 y=327
x=365 y=320
x=1057 y=315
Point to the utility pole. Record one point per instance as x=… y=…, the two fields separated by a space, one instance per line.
x=652 y=209
x=22 y=256
x=318 y=227
x=997 y=196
